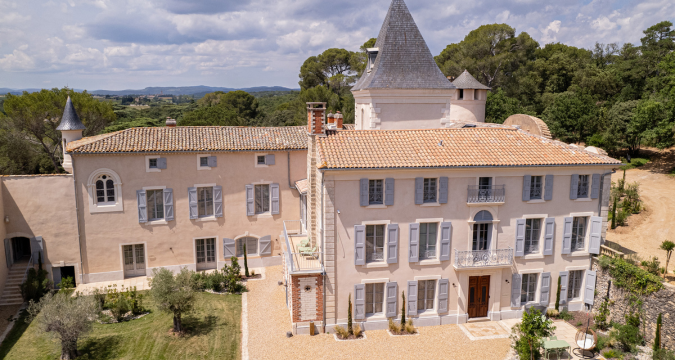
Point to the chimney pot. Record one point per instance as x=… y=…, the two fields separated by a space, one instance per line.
x=331 y=118
x=170 y=122
x=338 y=117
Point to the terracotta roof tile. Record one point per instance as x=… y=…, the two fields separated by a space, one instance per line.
x=460 y=147
x=193 y=138
x=302 y=186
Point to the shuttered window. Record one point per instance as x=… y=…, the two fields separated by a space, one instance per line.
x=204 y=161
x=582 y=190
x=428 y=240
x=251 y=246
x=578 y=233
x=574 y=287
x=426 y=293
x=374 y=298
x=261 y=159
x=262 y=198
x=375 y=192
x=155 y=204
x=532 y=235
x=529 y=288
x=480 y=236
x=152 y=163
x=374 y=243
x=205 y=201
x=536 y=187
x=430 y=190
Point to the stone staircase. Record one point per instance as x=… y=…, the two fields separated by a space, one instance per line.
x=12 y=292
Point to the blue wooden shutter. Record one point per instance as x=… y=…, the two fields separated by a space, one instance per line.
x=360 y=301
x=218 y=201
x=564 y=278
x=265 y=245
x=574 y=186
x=516 y=280
x=589 y=288
x=250 y=209
x=274 y=193
x=419 y=190
x=446 y=240
x=548 y=188
x=192 y=200
x=595 y=186
x=414 y=242
x=443 y=190
x=392 y=243
x=545 y=293
x=567 y=236
x=269 y=159
x=391 y=294
x=412 y=298
x=443 y=291
x=549 y=235
x=389 y=191
x=527 y=183
x=595 y=235
x=212 y=161
x=363 y=192
x=9 y=259
x=359 y=244
x=229 y=248
x=142 y=206
x=520 y=237
x=168 y=205
x=161 y=163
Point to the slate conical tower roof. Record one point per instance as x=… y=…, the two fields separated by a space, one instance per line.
x=70 y=120
x=467 y=81
x=403 y=60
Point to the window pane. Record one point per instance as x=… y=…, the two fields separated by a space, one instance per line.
x=204 y=161
x=369 y=299
x=100 y=191
x=205 y=201
x=153 y=163
x=252 y=246
x=262 y=199
x=379 y=297
x=375 y=192
x=535 y=187
x=420 y=295
x=582 y=190
x=429 y=190
x=240 y=247
x=261 y=159
x=110 y=190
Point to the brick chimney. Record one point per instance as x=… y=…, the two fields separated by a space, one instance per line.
x=338 y=118
x=170 y=122
x=331 y=118
x=315 y=113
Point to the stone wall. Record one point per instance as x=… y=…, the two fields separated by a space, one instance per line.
x=307 y=298
x=662 y=301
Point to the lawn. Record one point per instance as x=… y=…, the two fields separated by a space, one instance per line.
x=213 y=332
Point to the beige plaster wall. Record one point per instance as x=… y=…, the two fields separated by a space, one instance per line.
x=172 y=245
x=468 y=110
x=43 y=206
x=401 y=109
x=3 y=233
x=404 y=211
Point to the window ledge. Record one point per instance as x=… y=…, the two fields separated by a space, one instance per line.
x=429 y=262
x=264 y=215
x=376 y=265
x=583 y=199
x=376 y=206
x=207 y=218
x=428 y=313
x=261 y=165
x=430 y=204
x=106 y=208
x=536 y=201
x=376 y=317
x=153 y=170
x=157 y=222
x=533 y=256
x=578 y=254
x=203 y=168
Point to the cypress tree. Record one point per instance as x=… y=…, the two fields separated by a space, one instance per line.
x=557 y=296
x=245 y=262
x=657 y=337
x=403 y=309
x=614 y=214
x=350 y=329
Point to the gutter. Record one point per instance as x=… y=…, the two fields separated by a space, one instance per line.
x=462 y=167
x=77 y=217
x=177 y=151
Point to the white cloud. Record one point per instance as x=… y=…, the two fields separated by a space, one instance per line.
x=549 y=34
x=16 y=61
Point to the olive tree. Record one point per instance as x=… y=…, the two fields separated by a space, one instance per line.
x=174 y=294
x=65 y=317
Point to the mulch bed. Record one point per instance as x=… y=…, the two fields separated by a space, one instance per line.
x=252 y=277
x=110 y=319
x=351 y=337
x=402 y=333
x=583 y=317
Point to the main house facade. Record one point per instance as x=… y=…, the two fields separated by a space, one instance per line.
x=420 y=197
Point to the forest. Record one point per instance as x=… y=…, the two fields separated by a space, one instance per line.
x=619 y=97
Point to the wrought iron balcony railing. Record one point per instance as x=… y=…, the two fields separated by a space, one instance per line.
x=483 y=258
x=486 y=194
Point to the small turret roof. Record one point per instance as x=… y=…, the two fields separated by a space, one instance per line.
x=70 y=120
x=403 y=60
x=466 y=81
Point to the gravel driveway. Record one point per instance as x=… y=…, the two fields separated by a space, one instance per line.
x=269 y=319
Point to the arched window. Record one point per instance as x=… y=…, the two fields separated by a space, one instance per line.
x=483 y=215
x=105 y=190
x=482 y=231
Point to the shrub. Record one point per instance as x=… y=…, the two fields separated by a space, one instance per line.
x=621 y=218
x=341 y=332
x=612 y=354
x=117 y=302
x=628 y=336
x=638 y=281
x=357 y=331
x=604 y=261
x=603 y=342
x=36 y=285
x=663 y=354
x=527 y=335
x=565 y=315
x=350 y=328
x=410 y=328
x=232 y=276
x=66 y=283
x=99 y=295
x=552 y=313
x=394 y=328
x=600 y=318
x=652 y=266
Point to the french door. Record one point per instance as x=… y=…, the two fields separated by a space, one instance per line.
x=134 y=260
x=479 y=295
x=206 y=253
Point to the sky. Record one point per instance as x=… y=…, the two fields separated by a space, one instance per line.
x=132 y=44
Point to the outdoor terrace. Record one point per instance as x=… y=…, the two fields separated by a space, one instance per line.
x=302 y=255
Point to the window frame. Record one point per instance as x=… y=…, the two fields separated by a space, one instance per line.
x=533 y=187
x=237 y=241
x=255 y=199
x=587 y=187
x=434 y=192
x=530 y=283
x=255 y=160
x=529 y=231
x=374 y=302
x=199 y=162
x=436 y=247
x=371 y=194
x=148 y=205
x=426 y=293
x=106 y=206
x=574 y=239
x=383 y=237
x=147 y=163
x=199 y=201
x=571 y=287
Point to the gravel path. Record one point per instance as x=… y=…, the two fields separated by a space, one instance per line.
x=269 y=319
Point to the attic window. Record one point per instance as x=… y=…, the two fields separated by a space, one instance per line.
x=371 y=53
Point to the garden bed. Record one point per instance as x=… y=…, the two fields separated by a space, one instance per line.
x=108 y=318
x=402 y=333
x=580 y=320
x=362 y=336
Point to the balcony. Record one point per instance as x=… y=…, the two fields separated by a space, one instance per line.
x=473 y=259
x=302 y=257
x=478 y=194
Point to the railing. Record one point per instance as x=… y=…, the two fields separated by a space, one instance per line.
x=305 y=261
x=486 y=194
x=294 y=227
x=30 y=265
x=483 y=258
x=608 y=251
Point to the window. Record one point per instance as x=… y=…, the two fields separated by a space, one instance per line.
x=484 y=183
x=529 y=288
x=262 y=198
x=532 y=233
x=374 y=298
x=155 y=204
x=105 y=190
x=461 y=94
x=261 y=159
x=582 y=190
x=205 y=201
x=375 y=193
x=429 y=190
x=428 y=240
x=480 y=236
x=475 y=94
x=251 y=246
x=204 y=161
x=574 y=284
x=374 y=243
x=426 y=290
x=152 y=163
x=578 y=233
x=535 y=187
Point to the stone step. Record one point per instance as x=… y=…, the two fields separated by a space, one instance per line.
x=8 y=303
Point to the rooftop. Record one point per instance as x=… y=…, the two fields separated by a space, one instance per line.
x=193 y=138
x=466 y=81
x=453 y=147
x=69 y=119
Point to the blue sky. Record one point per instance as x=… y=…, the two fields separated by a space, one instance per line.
x=121 y=44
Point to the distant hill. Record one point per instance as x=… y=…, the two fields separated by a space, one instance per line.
x=197 y=91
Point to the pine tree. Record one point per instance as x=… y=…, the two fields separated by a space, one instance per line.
x=350 y=329
x=657 y=337
x=557 y=296
x=245 y=262
x=614 y=214
x=403 y=309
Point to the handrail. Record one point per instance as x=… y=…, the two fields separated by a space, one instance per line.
x=291 y=256
x=30 y=265
x=485 y=194
x=483 y=258
x=608 y=251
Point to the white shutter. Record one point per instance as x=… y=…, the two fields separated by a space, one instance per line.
x=443 y=190
x=250 y=208
x=545 y=293
x=269 y=159
x=595 y=186
x=274 y=192
x=192 y=200
x=392 y=243
x=574 y=186
x=567 y=236
x=265 y=245
x=161 y=163
x=389 y=191
x=595 y=235
x=142 y=206
x=218 y=201
x=564 y=278
x=516 y=280
x=419 y=190
x=548 y=188
x=363 y=192
x=359 y=301
x=392 y=299
x=168 y=205
x=229 y=248
x=443 y=291
x=527 y=182
x=412 y=298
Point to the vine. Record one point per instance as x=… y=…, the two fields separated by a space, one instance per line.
x=637 y=281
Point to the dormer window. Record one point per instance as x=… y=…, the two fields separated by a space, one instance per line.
x=371 y=53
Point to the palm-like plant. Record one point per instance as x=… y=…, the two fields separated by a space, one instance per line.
x=668 y=246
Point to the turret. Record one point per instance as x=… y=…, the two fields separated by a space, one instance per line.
x=71 y=129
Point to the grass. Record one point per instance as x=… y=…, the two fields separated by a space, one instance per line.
x=213 y=332
x=634 y=163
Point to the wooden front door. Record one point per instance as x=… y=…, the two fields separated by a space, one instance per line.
x=479 y=295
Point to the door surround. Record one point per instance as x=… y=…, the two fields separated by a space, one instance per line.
x=481 y=296
x=121 y=249
x=215 y=245
x=496 y=283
